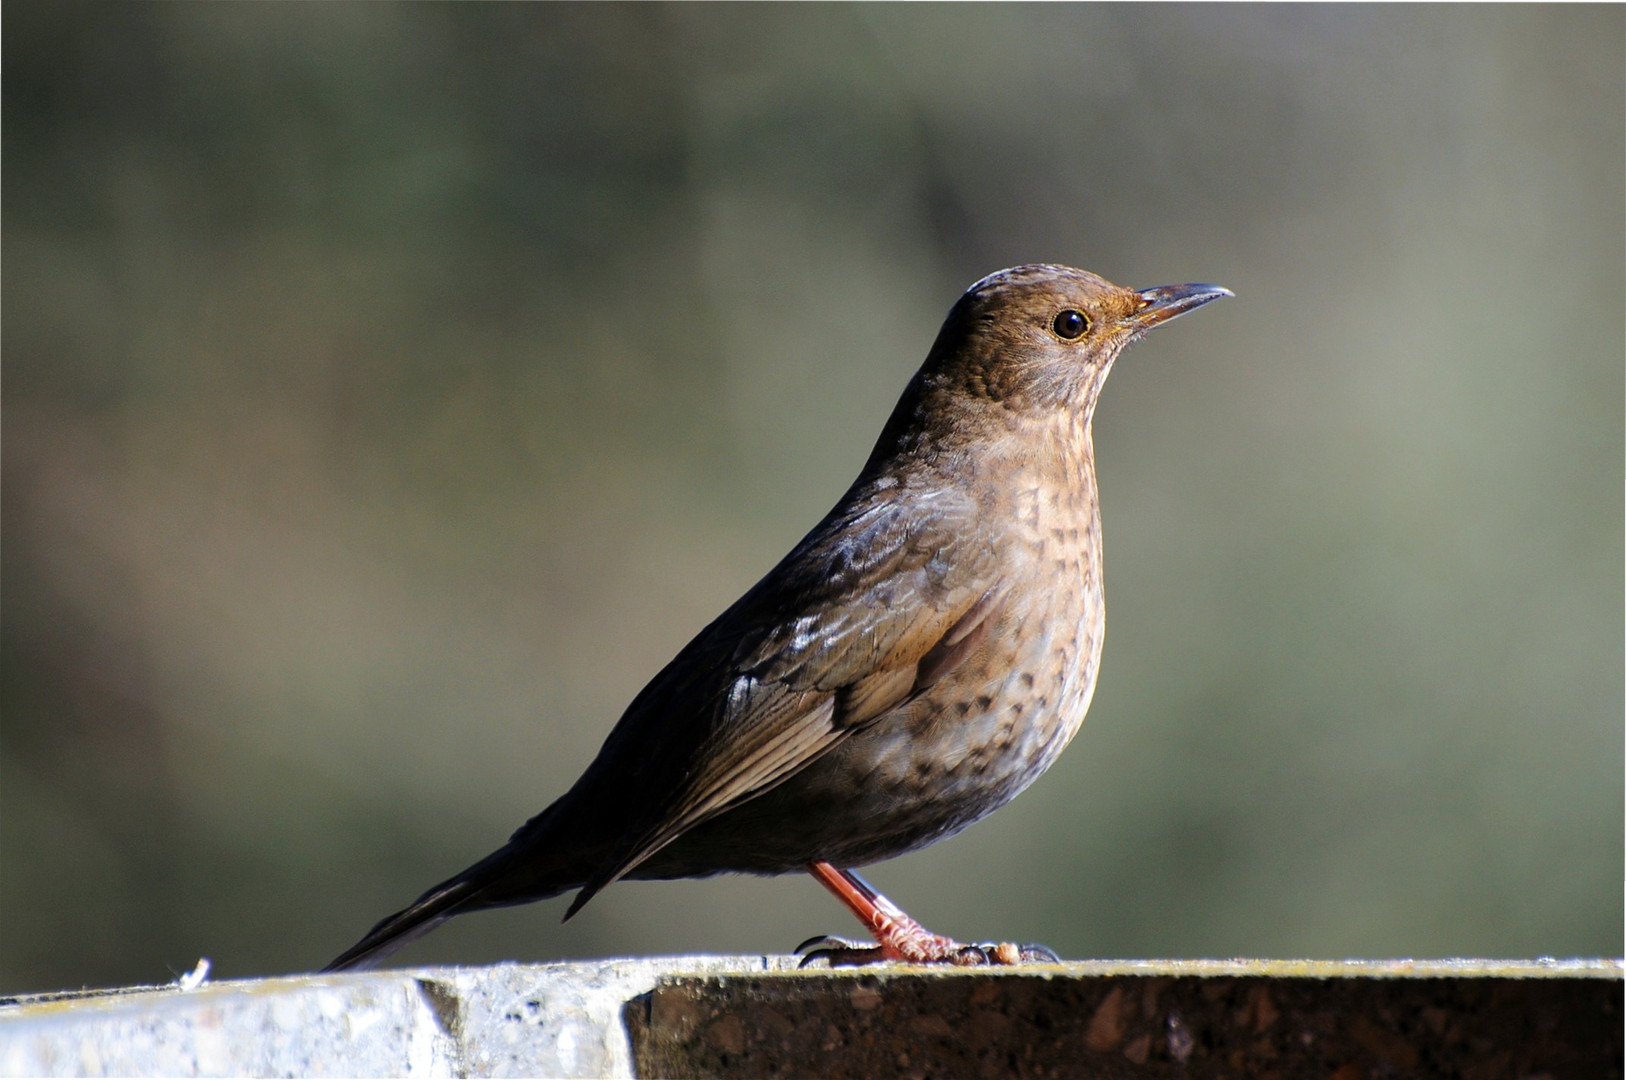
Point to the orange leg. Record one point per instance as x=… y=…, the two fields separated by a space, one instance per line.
x=897 y=936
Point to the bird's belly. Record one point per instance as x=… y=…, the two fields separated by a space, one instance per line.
x=961 y=750
x=966 y=748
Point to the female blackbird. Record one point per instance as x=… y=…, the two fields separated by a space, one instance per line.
x=916 y=661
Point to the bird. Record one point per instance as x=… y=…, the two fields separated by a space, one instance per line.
x=919 y=658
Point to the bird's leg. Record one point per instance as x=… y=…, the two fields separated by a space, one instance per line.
x=897 y=936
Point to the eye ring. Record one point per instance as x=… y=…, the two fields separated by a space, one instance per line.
x=1070 y=324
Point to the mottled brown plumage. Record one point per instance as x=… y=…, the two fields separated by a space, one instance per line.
x=916 y=661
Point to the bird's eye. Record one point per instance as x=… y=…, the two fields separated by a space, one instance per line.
x=1070 y=324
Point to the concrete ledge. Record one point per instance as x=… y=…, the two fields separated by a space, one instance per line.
x=757 y=1016
x=506 y=1020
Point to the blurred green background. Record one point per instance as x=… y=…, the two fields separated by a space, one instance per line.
x=390 y=390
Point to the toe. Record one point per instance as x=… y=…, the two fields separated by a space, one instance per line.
x=969 y=956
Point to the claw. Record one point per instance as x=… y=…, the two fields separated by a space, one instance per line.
x=1034 y=953
x=824 y=940
x=838 y=952
x=846 y=954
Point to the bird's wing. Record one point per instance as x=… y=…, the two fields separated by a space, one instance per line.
x=882 y=599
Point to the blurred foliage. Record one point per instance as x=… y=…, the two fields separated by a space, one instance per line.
x=391 y=389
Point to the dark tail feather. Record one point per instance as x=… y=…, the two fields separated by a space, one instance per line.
x=533 y=865
x=453 y=897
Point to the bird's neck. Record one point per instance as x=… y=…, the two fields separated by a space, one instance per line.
x=1052 y=453
x=956 y=435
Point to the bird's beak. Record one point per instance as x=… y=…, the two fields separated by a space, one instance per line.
x=1167 y=301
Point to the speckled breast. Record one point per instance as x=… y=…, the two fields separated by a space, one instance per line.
x=988 y=730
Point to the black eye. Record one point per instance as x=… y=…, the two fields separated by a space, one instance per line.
x=1070 y=324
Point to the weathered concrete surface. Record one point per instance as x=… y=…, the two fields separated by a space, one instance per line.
x=757 y=1016
x=506 y=1020
x=297 y=1027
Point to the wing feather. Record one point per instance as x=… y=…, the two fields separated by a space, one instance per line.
x=879 y=595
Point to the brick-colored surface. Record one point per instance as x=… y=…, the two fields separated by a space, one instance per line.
x=1476 y=1022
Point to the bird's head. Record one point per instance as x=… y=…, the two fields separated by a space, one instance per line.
x=1043 y=336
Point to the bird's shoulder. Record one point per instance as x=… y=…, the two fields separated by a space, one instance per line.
x=869 y=591
x=872 y=586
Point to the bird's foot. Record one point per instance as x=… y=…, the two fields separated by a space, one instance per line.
x=922 y=948
x=908 y=944
x=898 y=937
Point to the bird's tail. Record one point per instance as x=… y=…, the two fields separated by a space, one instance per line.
x=469 y=891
